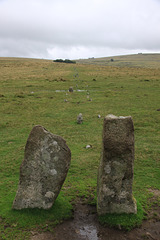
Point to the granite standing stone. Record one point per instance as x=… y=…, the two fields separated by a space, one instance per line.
x=71 y=89
x=115 y=174
x=80 y=119
x=43 y=170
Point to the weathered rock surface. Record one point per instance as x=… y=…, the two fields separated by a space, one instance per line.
x=80 y=119
x=115 y=174
x=70 y=89
x=43 y=170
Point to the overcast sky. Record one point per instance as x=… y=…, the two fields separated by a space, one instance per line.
x=78 y=28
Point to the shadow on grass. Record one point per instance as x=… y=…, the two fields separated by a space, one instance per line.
x=27 y=218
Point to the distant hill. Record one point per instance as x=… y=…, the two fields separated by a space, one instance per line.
x=134 y=60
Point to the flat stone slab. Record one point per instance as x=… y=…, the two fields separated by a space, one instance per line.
x=43 y=170
x=115 y=175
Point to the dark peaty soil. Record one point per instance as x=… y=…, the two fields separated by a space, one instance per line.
x=85 y=226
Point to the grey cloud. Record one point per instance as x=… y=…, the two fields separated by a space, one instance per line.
x=19 y=48
x=68 y=27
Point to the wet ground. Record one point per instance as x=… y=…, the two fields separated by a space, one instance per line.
x=85 y=226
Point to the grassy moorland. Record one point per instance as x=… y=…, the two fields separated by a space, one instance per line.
x=134 y=60
x=35 y=92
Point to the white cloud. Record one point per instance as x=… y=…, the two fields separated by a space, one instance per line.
x=77 y=29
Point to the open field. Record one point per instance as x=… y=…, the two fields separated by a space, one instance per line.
x=35 y=92
x=134 y=60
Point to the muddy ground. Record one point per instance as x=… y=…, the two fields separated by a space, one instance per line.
x=85 y=226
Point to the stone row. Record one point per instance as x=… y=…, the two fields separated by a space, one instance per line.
x=47 y=159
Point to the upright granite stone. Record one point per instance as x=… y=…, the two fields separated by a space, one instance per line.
x=115 y=174
x=80 y=119
x=43 y=170
x=71 y=89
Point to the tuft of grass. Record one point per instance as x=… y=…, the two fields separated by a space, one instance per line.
x=30 y=218
x=124 y=221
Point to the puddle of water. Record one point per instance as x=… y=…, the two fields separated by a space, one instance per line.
x=85 y=222
x=60 y=91
x=84 y=226
x=89 y=232
x=78 y=90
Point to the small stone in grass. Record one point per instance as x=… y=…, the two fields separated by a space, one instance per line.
x=80 y=119
x=88 y=146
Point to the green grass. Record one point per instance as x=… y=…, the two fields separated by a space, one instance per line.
x=124 y=221
x=151 y=60
x=17 y=223
x=28 y=97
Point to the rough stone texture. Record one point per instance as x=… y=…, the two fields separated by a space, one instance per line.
x=43 y=170
x=80 y=119
x=71 y=89
x=115 y=174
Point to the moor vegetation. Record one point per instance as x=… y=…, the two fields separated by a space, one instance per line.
x=35 y=92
